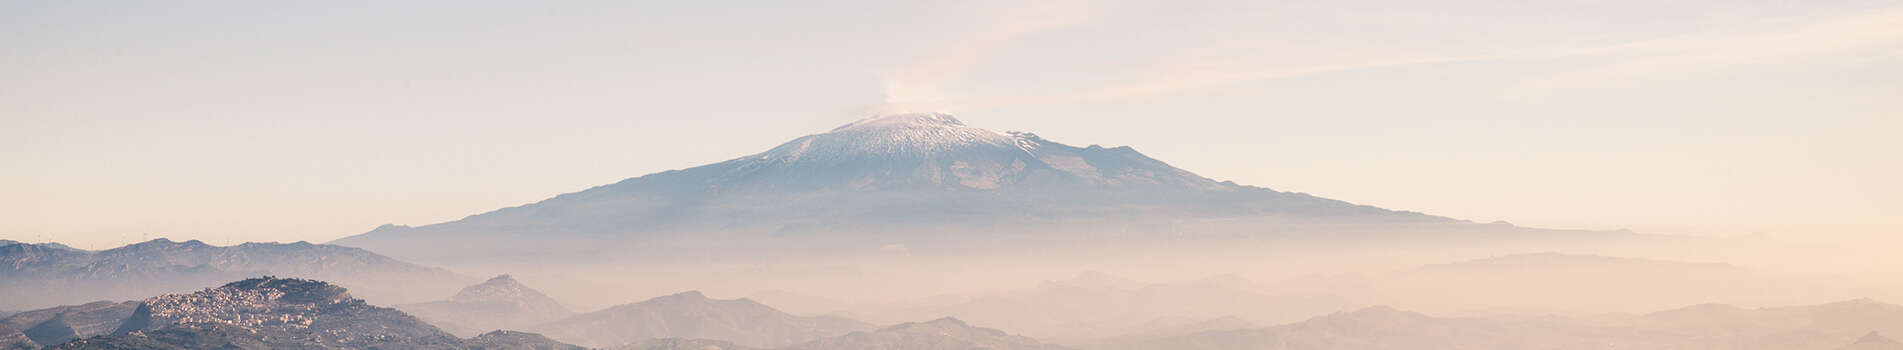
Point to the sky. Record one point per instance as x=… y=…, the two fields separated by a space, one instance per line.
x=234 y=121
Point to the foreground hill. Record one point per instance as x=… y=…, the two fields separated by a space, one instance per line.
x=693 y=315
x=907 y=179
x=499 y=303
x=275 y=313
x=1826 y=326
x=33 y=271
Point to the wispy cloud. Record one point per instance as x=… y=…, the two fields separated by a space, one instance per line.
x=1843 y=37
x=1735 y=45
x=923 y=83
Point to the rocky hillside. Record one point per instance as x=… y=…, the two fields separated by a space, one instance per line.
x=311 y=312
x=282 y=313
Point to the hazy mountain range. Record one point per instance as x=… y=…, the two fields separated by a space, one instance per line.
x=280 y=313
x=293 y=313
x=925 y=181
x=1711 y=326
x=30 y=272
x=1094 y=307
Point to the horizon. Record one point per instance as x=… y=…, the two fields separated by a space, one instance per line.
x=232 y=239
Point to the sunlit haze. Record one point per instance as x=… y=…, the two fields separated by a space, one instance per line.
x=951 y=175
x=241 y=121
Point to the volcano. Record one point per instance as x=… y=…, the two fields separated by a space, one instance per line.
x=915 y=180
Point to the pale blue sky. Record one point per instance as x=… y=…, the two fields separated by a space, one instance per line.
x=247 y=121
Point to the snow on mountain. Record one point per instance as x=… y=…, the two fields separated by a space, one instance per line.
x=894 y=136
x=898 y=151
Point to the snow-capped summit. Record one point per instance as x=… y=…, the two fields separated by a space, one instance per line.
x=937 y=151
x=914 y=119
x=885 y=136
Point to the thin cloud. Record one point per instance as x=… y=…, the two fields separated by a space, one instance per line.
x=1729 y=47
x=923 y=82
x=1842 y=37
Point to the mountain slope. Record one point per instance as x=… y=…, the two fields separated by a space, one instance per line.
x=13 y=339
x=164 y=266
x=895 y=176
x=499 y=303
x=693 y=315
